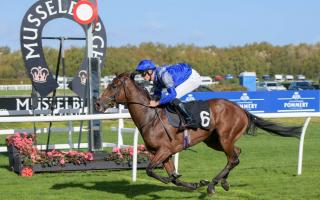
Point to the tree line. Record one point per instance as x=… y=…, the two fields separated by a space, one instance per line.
x=262 y=58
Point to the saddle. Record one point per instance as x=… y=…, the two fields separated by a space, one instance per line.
x=200 y=112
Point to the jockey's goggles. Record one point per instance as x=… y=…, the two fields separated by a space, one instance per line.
x=144 y=73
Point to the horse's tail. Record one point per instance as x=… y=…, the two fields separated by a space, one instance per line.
x=286 y=131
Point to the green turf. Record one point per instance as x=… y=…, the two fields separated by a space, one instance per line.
x=267 y=170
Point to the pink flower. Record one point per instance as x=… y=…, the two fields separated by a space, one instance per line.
x=31 y=155
x=49 y=154
x=72 y=153
x=116 y=150
x=62 y=161
x=89 y=156
x=141 y=147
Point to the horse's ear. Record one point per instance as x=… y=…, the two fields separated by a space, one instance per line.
x=132 y=75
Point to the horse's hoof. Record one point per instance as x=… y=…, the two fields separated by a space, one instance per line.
x=204 y=182
x=201 y=184
x=165 y=180
x=225 y=185
x=210 y=190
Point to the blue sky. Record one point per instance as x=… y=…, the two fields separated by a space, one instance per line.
x=222 y=23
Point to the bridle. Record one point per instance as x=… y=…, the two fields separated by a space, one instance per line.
x=113 y=98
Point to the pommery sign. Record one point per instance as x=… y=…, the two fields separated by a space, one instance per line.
x=38 y=15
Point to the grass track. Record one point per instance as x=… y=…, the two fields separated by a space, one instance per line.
x=267 y=170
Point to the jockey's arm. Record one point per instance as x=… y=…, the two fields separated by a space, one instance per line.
x=157 y=93
x=167 y=98
x=167 y=80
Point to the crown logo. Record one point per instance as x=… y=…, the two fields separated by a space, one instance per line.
x=39 y=74
x=190 y=97
x=244 y=97
x=296 y=96
x=83 y=75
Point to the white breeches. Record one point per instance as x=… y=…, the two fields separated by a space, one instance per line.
x=192 y=83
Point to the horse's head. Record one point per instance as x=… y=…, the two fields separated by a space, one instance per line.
x=115 y=92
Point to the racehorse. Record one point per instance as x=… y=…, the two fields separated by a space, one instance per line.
x=228 y=122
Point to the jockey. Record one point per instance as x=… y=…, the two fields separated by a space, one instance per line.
x=178 y=80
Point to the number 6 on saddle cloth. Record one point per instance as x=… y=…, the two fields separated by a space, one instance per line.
x=200 y=112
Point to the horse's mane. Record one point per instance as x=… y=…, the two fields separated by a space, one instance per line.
x=131 y=76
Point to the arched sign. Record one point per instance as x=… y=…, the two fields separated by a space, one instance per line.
x=38 y=15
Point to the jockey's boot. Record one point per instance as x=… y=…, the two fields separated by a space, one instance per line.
x=190 y=122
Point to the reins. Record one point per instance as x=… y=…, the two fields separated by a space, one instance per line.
x=142 y=104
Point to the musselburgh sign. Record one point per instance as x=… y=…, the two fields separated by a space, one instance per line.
x=25 y=103
x=38 y=15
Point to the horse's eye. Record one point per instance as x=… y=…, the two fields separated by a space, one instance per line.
x=113 y=86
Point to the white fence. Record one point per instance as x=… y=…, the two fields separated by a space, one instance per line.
x=121 y=128
x=306 y=115
x=75 y=115
x=16 y=87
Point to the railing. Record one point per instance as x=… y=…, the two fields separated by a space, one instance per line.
x=80 y=118
x=306 y=115
x=121 y=129
x=16 y=87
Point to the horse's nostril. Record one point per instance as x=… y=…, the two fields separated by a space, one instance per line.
x=97 y=105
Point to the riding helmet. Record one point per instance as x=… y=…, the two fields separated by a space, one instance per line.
x=145 y=65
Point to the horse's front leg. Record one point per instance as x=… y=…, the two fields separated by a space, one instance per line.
x=170 y=168
x=155 y=160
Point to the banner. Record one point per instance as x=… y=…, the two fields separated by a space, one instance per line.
x=25 y=103
x=266 y=101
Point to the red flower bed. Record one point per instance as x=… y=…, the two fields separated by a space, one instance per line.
x=26 y=171
x=120 y=155
x=30 y=155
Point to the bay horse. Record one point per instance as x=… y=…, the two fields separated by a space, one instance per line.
x=228 y=123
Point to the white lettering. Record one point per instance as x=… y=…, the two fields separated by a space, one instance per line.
x=45 y=105
x=99 y=40
x=41 y=12
x=296 y=104
x=35 y=33
x=248 y=106
x=60 y=7
x=97 y=54
x=73 y=3
x=75 y=103
x=50 y=8
x=59 y=103
x=98 y=27
x=32 y=20
x=31 y=51
x=22 y=105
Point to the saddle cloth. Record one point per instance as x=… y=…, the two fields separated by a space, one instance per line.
x=200 y=112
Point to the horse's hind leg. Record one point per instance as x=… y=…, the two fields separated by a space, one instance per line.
x=232 y=162
x=224 y=183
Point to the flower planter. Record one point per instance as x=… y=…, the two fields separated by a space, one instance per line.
x=98 y=163
x=25 y=159
x=15 y=162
